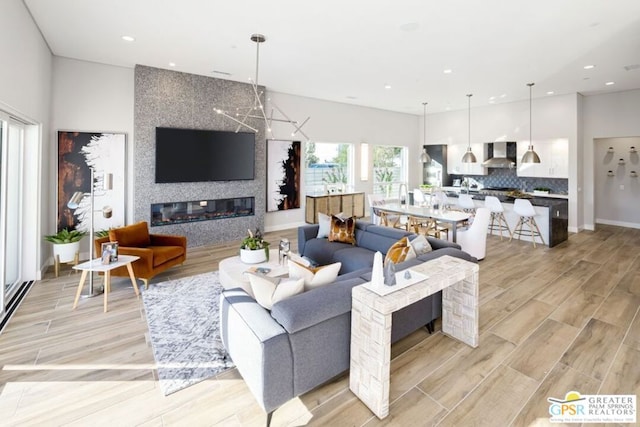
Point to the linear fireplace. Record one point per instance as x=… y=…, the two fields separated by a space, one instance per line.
x=201 y=210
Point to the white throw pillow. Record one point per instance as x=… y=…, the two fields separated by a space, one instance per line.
x=324 y=224
x=268 y=293
x=314 y=277
x=421 y=245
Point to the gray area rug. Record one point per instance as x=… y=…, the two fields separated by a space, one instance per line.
x=183 y=319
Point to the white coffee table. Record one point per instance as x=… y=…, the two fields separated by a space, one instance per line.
x=97 y=265
x=232 y=271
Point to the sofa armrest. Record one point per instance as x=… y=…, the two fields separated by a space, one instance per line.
x=306 y=232
x=258 y=346
x=440 y=244
x=310 y=308
x=146 y=255
x=168 y=240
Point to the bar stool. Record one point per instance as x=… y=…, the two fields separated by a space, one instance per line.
x=498 y=221
x=465 y=202
x=525 y=210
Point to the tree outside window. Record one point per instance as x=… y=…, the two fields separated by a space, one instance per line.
x=389 y=169
x=328 y=167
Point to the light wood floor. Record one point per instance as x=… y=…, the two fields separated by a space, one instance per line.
x=552 y=320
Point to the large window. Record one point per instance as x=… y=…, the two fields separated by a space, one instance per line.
x=389 y=169
x=328 y=167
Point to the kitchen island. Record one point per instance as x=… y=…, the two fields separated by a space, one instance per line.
x=552 y=215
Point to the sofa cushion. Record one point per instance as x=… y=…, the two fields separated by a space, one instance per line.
x=343 y=230
x=314 y=277
x=379 y=239
x=268 y=292
x=353 y=258
x=400 y=251
x=321 y=250
x=134 y=235
x=162 y=254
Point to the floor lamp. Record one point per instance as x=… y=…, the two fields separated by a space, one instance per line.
x=107 y=212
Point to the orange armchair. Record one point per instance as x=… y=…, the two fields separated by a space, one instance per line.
x=157 y=252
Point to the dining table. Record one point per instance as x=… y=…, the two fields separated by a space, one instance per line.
x=446 y=215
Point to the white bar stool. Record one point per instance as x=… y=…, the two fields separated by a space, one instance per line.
x=498 y=221
x=525 y=210
x=465 y=202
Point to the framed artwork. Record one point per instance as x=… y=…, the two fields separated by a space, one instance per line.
x=283 y=175
x=78 y=154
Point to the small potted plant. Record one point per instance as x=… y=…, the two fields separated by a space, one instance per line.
x=541 y=190
x=254 y=249
x=66 y=244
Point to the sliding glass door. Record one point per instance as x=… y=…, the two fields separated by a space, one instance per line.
x=11 y=177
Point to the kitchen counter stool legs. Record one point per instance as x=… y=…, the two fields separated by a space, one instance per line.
x=527 y=214
x=498 y=221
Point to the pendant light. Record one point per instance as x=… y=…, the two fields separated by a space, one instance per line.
x=469 y=157
x=424 y=157
x=530 y=156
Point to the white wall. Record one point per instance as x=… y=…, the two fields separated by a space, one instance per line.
x=91 y=97
x=606 y=116
x=552 y=117
x=25 y=92
x=344 y=123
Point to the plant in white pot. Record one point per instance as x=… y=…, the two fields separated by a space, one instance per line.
x=66 y=244
x=254 y=249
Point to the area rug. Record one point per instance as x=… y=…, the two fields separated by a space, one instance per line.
x=183 y=319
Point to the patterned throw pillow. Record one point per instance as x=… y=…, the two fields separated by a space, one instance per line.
x=343 y=230
x=421 y=245
x=314 y=277
x=400 y=251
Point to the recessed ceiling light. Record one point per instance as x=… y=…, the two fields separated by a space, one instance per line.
x=387 y=86
x=550 y=92
x=448 y=71
x=492 y=98
x=610 y=83
x=589 y=67
x=128 y=38
x=172 y=64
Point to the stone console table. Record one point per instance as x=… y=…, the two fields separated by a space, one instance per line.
x=371 y=323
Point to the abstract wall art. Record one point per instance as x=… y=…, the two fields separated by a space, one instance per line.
x=283 y=175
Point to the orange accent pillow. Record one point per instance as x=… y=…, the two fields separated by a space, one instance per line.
x=400 y=251
x=133 y=236
x=343 y=230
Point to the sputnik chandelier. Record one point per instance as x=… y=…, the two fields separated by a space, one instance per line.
x=257 y=110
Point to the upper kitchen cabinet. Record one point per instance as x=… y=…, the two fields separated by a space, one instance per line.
x=454 y=159
x=554 y=159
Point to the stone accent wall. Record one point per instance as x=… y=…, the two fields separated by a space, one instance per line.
x=165 y=98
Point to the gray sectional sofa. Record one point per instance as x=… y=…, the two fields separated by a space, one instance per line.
x=304 y=341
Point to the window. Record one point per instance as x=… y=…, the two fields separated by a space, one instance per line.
x=328 y=167
x=389 y=169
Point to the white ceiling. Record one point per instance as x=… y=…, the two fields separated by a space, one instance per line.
x=347 y=50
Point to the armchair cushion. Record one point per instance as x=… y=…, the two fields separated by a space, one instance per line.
x=134 y=235
x=162 y=254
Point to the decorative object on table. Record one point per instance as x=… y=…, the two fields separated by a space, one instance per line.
x=284 y=247
x=407 y=274
x=241 y=114
x=78 y=154
x=186 y=345
x=254 y=249
x=390 y=274
x=109 y=252
x=66 y=247
x=530 y=156
x=469 y=157
x=283 y=175
x=377 y=272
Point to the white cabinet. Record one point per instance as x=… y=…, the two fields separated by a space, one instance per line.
x=454 y=160
x=554 y=159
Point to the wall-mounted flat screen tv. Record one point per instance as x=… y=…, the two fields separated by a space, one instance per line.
x=194 y=155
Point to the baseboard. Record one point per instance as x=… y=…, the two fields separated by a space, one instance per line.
x=617 y=223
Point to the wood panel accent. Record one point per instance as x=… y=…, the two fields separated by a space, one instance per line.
x=350 y=204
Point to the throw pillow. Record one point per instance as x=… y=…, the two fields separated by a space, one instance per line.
x=343 y=230
x=324 y=224
x=268 y=293
x=400 y=251
x=421 y=245
x=314 y=277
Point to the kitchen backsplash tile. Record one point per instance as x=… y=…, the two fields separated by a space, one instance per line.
x=509 y=178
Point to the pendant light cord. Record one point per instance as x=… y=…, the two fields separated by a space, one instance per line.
x=530 y=115
x=469 y=96
x=424 y=123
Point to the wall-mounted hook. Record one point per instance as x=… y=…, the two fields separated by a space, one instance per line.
x=621 y=162
x=610 y=150
x=610 y=173
x=632 y=149
x=633 y=174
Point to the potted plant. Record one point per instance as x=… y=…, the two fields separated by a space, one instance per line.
x=254 y=249
x=541 y=190
x=66 y=244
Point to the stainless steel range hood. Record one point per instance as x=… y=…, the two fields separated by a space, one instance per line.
x=500 y=154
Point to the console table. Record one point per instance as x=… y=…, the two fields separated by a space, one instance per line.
x=371 y=323
x=350 y=204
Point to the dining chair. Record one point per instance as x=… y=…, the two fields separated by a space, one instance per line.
x=474 y=240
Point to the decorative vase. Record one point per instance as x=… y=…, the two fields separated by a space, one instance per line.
x=66 y=251
x=249 y=256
